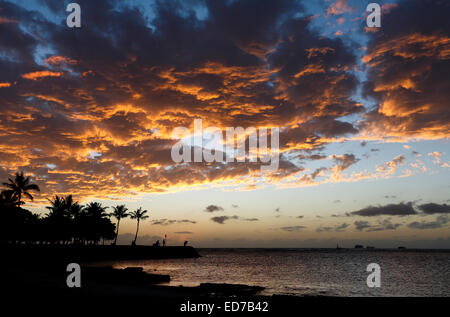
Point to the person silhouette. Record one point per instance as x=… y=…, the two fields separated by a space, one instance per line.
x=164 y=240
x=185 y=243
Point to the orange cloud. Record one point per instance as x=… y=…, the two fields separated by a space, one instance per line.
x=339 y=7
x=40 y=74
x=58 y=60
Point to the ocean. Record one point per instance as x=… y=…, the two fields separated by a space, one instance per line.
x=311 y=272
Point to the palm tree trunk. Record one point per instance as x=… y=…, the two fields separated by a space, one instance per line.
x=137 y=229
x=117 y=231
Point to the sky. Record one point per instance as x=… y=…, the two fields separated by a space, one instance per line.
x=363 y=115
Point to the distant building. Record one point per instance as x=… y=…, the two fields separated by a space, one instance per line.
x=358 y=246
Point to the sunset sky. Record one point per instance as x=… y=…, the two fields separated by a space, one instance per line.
x=364 y=116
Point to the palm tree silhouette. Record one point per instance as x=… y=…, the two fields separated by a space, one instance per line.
x=95 y=209
x=19 y=187
x=119 y=212
x=57 y=207
x=139 y=215
x=96 y=219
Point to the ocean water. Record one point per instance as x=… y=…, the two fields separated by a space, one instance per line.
x=311 y=272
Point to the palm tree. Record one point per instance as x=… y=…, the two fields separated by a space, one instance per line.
x=95 y=217
x=95 y=209
x=138 y=214
x=119 y=212
x=20 y=186
x=57 y=207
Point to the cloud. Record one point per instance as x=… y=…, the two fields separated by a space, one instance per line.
x=293 y=228
x=183 y=232
x=361 y=225
x=56 y=60
x=440 y=222
x=166 y=222
x=122 y=99
x=312 y=157
x=344 y=161
x=41 y=74
x=222 y=219
x=339 y=7
x=437 y=159
x=337 y=228
x=390 y=167
x=401 y=209
x=383 y=225
x=213 y=208
x=433 y=208
x=407 y=65
x=250 y=219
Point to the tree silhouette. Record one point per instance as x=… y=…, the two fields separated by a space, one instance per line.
x=57 y=207
x=7 y=199
x=119 y=212
x=139 y=215
x=20 y=186
x=63 y=220
x=67 y=222
x=96 y=223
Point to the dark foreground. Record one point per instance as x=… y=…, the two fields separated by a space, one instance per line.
x=31 y=275
x=36 y=269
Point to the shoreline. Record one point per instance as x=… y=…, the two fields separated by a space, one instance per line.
x=94 y=253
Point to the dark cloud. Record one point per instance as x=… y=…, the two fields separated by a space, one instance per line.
x=312 y=157
x=222 y=219
x=344 y=161
x=337 y=228
x=166 y=222
x=433 y=208
x=440 y=222
x=361 y=225
x=401 y=209
x=183 y=232
x=250 y=219
x=293 y=228
x=213 y=208
x=383 y=225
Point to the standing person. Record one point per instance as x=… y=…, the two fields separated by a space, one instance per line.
x=185 y=243
x=164 y=240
